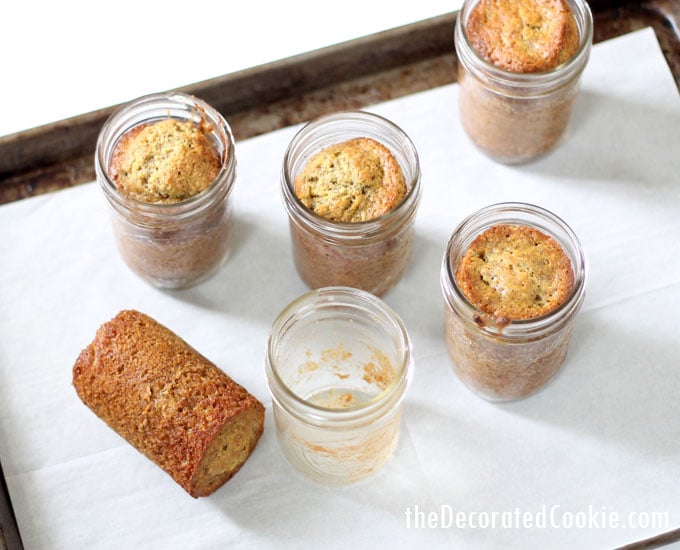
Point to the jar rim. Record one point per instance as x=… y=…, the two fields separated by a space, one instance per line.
x=361 y=230
x=159 y=106
x=329 y=297
x=517 y=329
x=467 y=53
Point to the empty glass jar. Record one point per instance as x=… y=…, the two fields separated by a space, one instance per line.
x=338 y=364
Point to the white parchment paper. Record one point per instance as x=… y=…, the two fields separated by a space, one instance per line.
x=601 y=441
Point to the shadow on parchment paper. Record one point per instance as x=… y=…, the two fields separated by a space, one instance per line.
x=609 y=389
x=417 y=297
x=284 y=508
x=617 y=141
x=258 y=278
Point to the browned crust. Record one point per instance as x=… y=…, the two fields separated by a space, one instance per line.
x=515 y=272
x=523 y=36
x=161 y=395
x=353 y=181
x=164 y=162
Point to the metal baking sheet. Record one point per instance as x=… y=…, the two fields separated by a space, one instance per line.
x=396 y=62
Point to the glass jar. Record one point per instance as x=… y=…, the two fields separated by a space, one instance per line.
x=179 y=244
x=371 y=255
x=511 y=359
x=338 y=364
x=516 y=117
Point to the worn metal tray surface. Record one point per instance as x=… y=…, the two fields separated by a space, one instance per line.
x=350 y=75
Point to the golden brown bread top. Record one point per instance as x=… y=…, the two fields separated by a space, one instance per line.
x=352 y=181
x=523 y=36
x=515 y=272
x=167 y=161
x=159 y=393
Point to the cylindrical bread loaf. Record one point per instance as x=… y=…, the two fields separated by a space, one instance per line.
x=168 y=401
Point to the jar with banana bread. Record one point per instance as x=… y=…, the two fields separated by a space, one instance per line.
x=513 y=278
x=338 y=365
x=351 y=187
x=166 y=165
x=519 y=69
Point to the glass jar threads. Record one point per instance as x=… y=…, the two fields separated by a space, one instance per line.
x=510 y=115
x=510 y=336
x=371 y=254
x=338 y=364
x=166 y=165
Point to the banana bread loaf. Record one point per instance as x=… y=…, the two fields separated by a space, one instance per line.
x=353 y=182
x=519 y=73
x=182 y=233
x=168 y=401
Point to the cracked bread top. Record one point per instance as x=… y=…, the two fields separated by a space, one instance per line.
x=515 y=272
x=165 y=162
x=523 y=36
x=352 y=181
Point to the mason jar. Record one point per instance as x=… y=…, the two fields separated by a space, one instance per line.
x=516 y=117
x=337 y=366
x=505 y=359
x=170 y=245
x=371 y=255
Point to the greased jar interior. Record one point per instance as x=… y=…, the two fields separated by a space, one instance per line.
x=338 y=364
